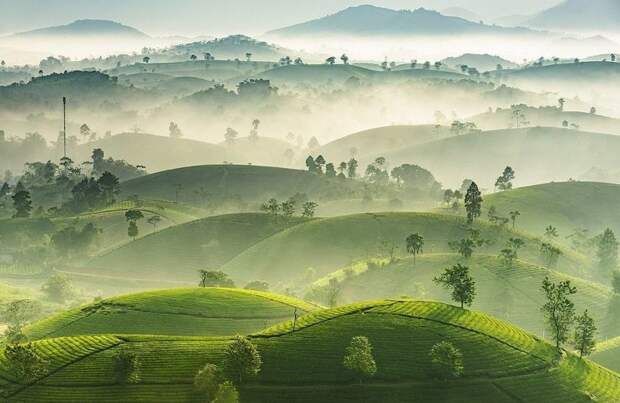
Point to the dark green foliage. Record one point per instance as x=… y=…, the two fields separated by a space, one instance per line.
x=558 y=309
x=504 y=182
x=22 y=204
x=447 y=360
x=607 y=252
x=207 y=381
x=241 y=360
x=352 y=168
x=288 y=208
x=272 y=207
x=415 y=177
x=458 y=280
x=214 y=278
x=133 y=215
x=583 y=339
x=473 y=202
x=70 y=241
x=414 y=245
x=132 y=230
x=309 y=209
x=109 y=186
x=359 y=359
x=126 y=367
x=24 y=362
x=226 y=393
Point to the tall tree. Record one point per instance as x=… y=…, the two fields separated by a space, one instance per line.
x=607 y=252
x=22 y=204
x=447 y=360
x=504 y=182
x=414 y=245
x=458 y=280
x=352 y=168
x=559 y=310
x=473 y=202
x=583 y=338
x=513 y=217
x=359 y=359
x=241 y=360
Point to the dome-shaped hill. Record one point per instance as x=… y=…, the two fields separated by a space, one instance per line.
x=316 y=73
x=328 y=244
x=512 y=293
x=565 y=205
x=369 y=144
x=501 y=362
x=178 y=312
x=538 y=155
x=178 y=252
x=237 y=184
x=156 y=152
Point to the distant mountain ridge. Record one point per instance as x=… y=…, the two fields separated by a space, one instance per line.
x=372 y=20
x=85 y=28
x=579 y=14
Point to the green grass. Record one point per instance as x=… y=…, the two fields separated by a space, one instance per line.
x=502 y=362
x=566 y=205
x=179 y=251
x=512 y=293
x=181 y=312
x=607 y=354
x=242 y=185
x=328 y=244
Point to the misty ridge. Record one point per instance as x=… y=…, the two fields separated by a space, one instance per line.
x=328 y=201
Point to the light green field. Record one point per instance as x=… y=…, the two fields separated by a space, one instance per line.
x=502 y=363
x=512 y=293
x=567 y=206
x=328 y=244
x=178 y=252
x=179 y=312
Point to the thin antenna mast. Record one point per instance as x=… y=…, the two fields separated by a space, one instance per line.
x=64 y=126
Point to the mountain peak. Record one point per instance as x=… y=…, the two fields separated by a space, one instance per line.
x=87 y=27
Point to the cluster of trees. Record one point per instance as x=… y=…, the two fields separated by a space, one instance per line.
x=288 y=208
x=320 y=166
x=504 y=181
x=219 y=383
x=446 y=359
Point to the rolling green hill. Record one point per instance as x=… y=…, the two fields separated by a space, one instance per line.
x=566 y=205
x=240 y=184
x=178 y=312
x=328 y=244
x=502 y=363
x=178 y=252
x=512 y=293
x=548 y=116
x=157 y=153
x=315 y=73
x=371 y=143
x=537 y=155
x=607 y=354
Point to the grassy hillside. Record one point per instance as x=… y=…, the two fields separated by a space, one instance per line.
x=548 y=116
x=315 y=73
x=212 y=70
x=536 y=154
x=179 y=312
x=157 y=153
x=565 y=205
x=510 y=293
x=607 y=354
x=178 y=252
x=261 y=151
x=240 y=184
x=328 y=244
x=502 y=362
x=371 y=143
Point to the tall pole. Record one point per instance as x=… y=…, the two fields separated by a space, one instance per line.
x=64 y=126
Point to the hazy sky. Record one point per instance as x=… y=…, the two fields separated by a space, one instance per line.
x=213 y=17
